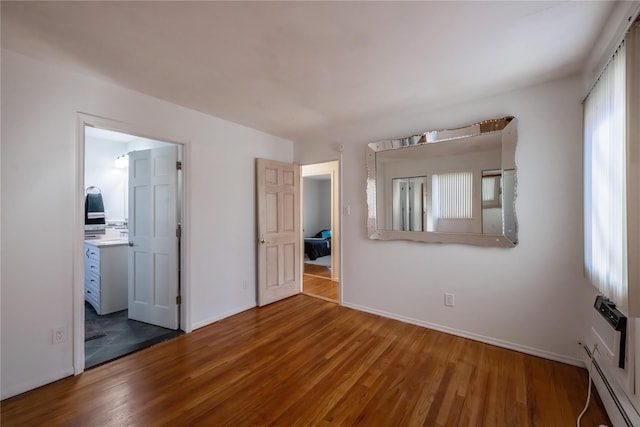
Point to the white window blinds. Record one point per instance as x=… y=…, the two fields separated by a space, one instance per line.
x=605 y=190
x=453 y=195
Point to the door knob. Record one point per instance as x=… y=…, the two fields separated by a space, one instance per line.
x=263 y=241
x=131 y=244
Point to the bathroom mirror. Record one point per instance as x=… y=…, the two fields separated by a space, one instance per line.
x=446 y=186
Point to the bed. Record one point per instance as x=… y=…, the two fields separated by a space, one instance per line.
x=319 y=245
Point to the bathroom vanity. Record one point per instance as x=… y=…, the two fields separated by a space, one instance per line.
x=106 y=275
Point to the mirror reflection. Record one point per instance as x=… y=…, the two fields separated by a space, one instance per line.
x=455 y=186
x=409 y=203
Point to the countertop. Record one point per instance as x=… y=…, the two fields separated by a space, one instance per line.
x=107 y=242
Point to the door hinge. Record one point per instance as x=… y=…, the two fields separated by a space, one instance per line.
x=179 y=231
x=179 y=300
x=179 y=165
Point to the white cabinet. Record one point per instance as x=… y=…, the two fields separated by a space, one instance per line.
x=106 y=277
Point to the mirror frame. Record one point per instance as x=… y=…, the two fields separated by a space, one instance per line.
x=507 y=126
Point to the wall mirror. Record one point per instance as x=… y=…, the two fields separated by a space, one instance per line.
x=446 y=186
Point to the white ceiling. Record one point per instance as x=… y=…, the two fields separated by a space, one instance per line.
x=313 y=71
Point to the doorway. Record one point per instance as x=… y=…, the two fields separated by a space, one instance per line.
x=321 y=230
x=131 y=288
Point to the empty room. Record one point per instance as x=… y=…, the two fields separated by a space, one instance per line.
x=378 y=213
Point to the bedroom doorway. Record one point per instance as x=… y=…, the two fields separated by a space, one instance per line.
x=321 y=230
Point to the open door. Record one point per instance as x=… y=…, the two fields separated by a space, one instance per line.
x=153 y=237
x=278 y=197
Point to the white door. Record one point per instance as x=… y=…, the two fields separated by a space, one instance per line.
x=153 y=222
x=278 y=188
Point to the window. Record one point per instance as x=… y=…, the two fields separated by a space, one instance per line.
x=610 y=173
x=605 y=182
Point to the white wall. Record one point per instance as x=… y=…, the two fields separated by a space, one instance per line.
x=533 y=297
x=317 y=206
x=39 y=173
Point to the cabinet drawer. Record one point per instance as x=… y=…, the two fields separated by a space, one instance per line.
x=92 y=296
x=91 y=253
x=93 y=299
x=92 y=283
x=92 y=291
x=91 y=266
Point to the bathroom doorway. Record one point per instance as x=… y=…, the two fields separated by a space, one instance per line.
x=131 y=269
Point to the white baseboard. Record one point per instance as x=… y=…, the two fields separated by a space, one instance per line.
x=221 y=316
x=35 y=383
x=473 y=336
x=621 y=411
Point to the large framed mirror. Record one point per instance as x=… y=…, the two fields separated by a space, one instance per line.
x=446 y=186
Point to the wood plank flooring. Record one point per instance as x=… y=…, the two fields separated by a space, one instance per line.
x=319 y=287
x=307 y=362
x=317 y=270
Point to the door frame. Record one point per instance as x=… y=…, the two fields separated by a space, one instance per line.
x=82 y=120
x=333 y=169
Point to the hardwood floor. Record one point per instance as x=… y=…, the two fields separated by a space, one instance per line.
x=317 y=270
x=319 y=287
x=307 y=362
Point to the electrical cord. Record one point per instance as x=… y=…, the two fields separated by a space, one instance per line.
x=586 y=405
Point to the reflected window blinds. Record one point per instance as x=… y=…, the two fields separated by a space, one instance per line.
x=453 y=195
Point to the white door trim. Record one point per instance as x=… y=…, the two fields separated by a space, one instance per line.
x=332 y=168
x=82 y=120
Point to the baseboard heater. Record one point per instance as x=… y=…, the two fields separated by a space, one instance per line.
x=616 y=320
x=614 y=397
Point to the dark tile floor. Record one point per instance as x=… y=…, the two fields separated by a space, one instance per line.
x=122 y=336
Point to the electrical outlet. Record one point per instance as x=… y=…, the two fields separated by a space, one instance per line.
x=59 y=335
x=448 y=299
